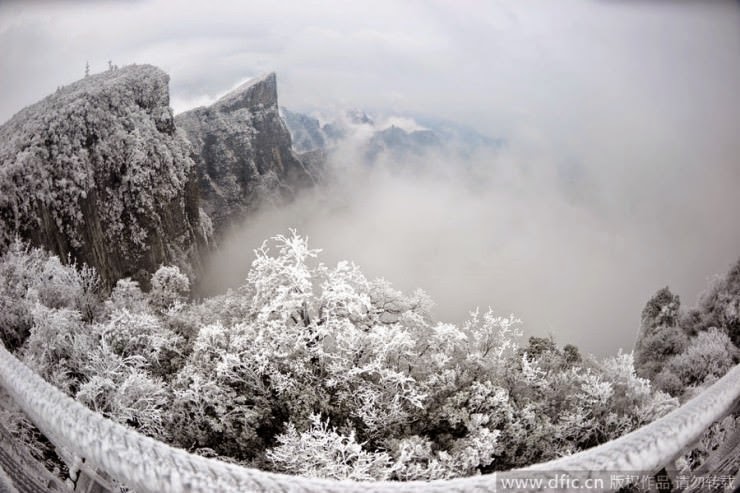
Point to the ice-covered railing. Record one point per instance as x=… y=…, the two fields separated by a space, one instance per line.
x=151 y=466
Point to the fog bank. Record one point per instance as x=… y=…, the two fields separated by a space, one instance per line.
x=568 y=250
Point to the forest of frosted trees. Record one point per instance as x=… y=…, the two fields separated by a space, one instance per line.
x=316 y=370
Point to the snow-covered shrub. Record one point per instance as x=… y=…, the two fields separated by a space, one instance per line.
x=58 y=286
x=718 y=307
x=72 y=286
x=229 y=308
x=131 y=397
x=417 y=459
x=561 y=408
x=108 y=358
x=283 y=284
x=322 y=452
x=636 y=402
x=669 y=382
x=127 y=295
x=20 y=266
x=29 y=276
x=58 y=346
x=205 y=413
x=657 y=347
x=681 y=351
x=129 y=334
x=89 y=300
x=317 y=370
x=438 y=399
x=661 y=310
x=169 y=287
x=709 y=355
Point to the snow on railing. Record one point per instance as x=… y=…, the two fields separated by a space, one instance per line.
x=148 y=465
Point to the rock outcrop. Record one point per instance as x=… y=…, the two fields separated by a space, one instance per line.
x=305 y=131
x=97 y=172
x=243 y=152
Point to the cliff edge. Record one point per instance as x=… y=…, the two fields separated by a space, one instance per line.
x=97 y=172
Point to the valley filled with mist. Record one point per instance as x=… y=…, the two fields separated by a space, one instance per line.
x=572 y=249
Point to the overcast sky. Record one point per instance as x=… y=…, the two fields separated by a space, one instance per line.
x=640 y=99
x=498 y=64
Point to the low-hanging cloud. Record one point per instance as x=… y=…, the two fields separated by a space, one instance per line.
x=505 y=229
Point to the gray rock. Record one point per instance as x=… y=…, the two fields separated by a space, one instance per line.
x=97 y=172
x=305 y=131
x=243 y=152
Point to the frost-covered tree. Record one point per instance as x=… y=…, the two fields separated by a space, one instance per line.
x=661 y=310
x=169 y=287
x=317 y=370
x=322 y=452
x=682 y=350
x=20 y=268
x=29 y=276
x=660 y=335
x=718 y=307
x=58 y=347
x=708 y=356
x=315 y=345
x=130 y=396
x=127 y=295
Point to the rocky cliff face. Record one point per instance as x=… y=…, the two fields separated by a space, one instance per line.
x=305 y=131
x=98 y=172
x=243 y=153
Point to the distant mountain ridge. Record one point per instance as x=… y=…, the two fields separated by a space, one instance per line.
x=397 y=137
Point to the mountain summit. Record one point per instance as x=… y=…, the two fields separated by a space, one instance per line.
x=97 y=172
x=243 y=152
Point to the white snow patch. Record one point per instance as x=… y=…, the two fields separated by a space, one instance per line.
x=181 y=105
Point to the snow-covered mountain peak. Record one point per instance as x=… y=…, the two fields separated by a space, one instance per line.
x=257 y=91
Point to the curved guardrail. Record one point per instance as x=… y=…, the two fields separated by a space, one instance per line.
x=151 y=466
